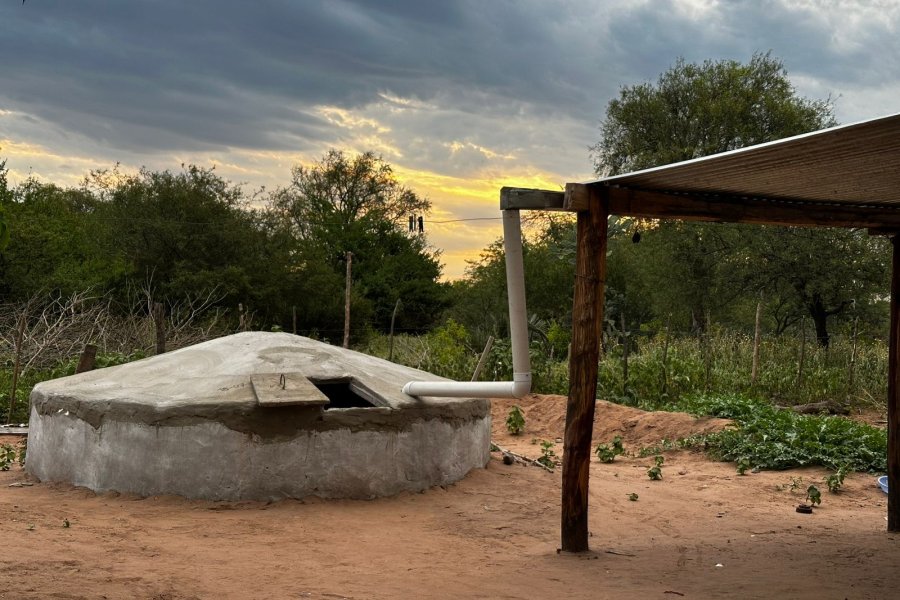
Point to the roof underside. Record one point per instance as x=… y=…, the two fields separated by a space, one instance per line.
x=846 y=176
x=857 y=164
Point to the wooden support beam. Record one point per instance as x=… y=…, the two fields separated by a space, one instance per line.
x=893 y=424
x=587 y=318
x=530 y=199
x=640 y=203
x=628 y=202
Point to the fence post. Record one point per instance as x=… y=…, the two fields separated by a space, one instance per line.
x=754 y=368
x=347 y=301
x=159 y=319
x=624 y=357
x=88 y=359
x=483 y=358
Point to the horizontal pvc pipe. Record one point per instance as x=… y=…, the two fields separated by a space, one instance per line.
x=518 y=332
x=471 y=389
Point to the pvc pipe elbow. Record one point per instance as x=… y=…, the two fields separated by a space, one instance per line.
x=521 y=385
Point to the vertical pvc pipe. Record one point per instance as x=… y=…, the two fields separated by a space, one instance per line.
x=515 y=288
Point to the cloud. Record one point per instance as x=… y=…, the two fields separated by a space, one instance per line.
x=471 y=91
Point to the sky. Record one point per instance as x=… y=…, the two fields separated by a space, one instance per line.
x=461 y=97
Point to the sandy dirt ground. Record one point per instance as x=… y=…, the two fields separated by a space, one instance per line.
x=700 y=532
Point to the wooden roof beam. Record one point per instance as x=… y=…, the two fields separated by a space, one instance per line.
x=530 y=199
x=694 y=207
x=646 y=204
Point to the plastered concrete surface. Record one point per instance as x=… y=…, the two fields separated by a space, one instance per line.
x=188 y=423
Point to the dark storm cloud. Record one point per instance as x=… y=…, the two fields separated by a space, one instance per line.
x=205 y=74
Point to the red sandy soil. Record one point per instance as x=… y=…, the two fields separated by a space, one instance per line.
x=702 y=532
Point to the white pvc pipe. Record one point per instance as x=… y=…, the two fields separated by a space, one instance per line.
x=518 y=332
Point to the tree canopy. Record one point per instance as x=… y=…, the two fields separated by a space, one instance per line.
x=190 y=232
x=694 y=110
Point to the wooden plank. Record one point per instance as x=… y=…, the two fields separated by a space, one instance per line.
x=530 y=199
x=587 y=317
x=577 y=197
x=286 y=389
x=893 y=424
x=658 y=205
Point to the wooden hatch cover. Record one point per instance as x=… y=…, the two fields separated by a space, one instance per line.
x=286 y=389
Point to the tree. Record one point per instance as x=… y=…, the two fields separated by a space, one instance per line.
x=4 y=197
x=356 y=204
x=696 y=110
x=56 y=243
x=188 y=233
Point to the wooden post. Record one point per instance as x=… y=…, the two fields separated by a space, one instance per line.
x=851 y=376
x=20 y=335
x=347 y=301
x=159 y=319
x=484 y=355
x=707 y=348
x=391 y=342
x=665 y=359
x=587 y=320
x=88 y=358
x=802 y=357
x=624 y=357
x=294 y=318
x=757 y=330
x=893 y=424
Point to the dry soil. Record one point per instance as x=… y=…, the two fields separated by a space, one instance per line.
x=700 y=532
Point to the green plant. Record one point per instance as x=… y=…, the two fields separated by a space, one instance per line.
x=743 y=464
x=548 y=456
x=813 y=495
x=633 y=497
x=836 y=479
x=655 y=472
x=515 y=421
x=663 y=446
x=607 y=453
x=7 y=456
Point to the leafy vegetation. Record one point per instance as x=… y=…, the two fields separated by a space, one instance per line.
x=8 y=456
x=515 y=421
x=655 y=472
x=835 y=480
x=607 y=453
x=772 y=438
x=813 y=495
x=548 y=456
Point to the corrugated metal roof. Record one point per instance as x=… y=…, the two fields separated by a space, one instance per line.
x=857 y=163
